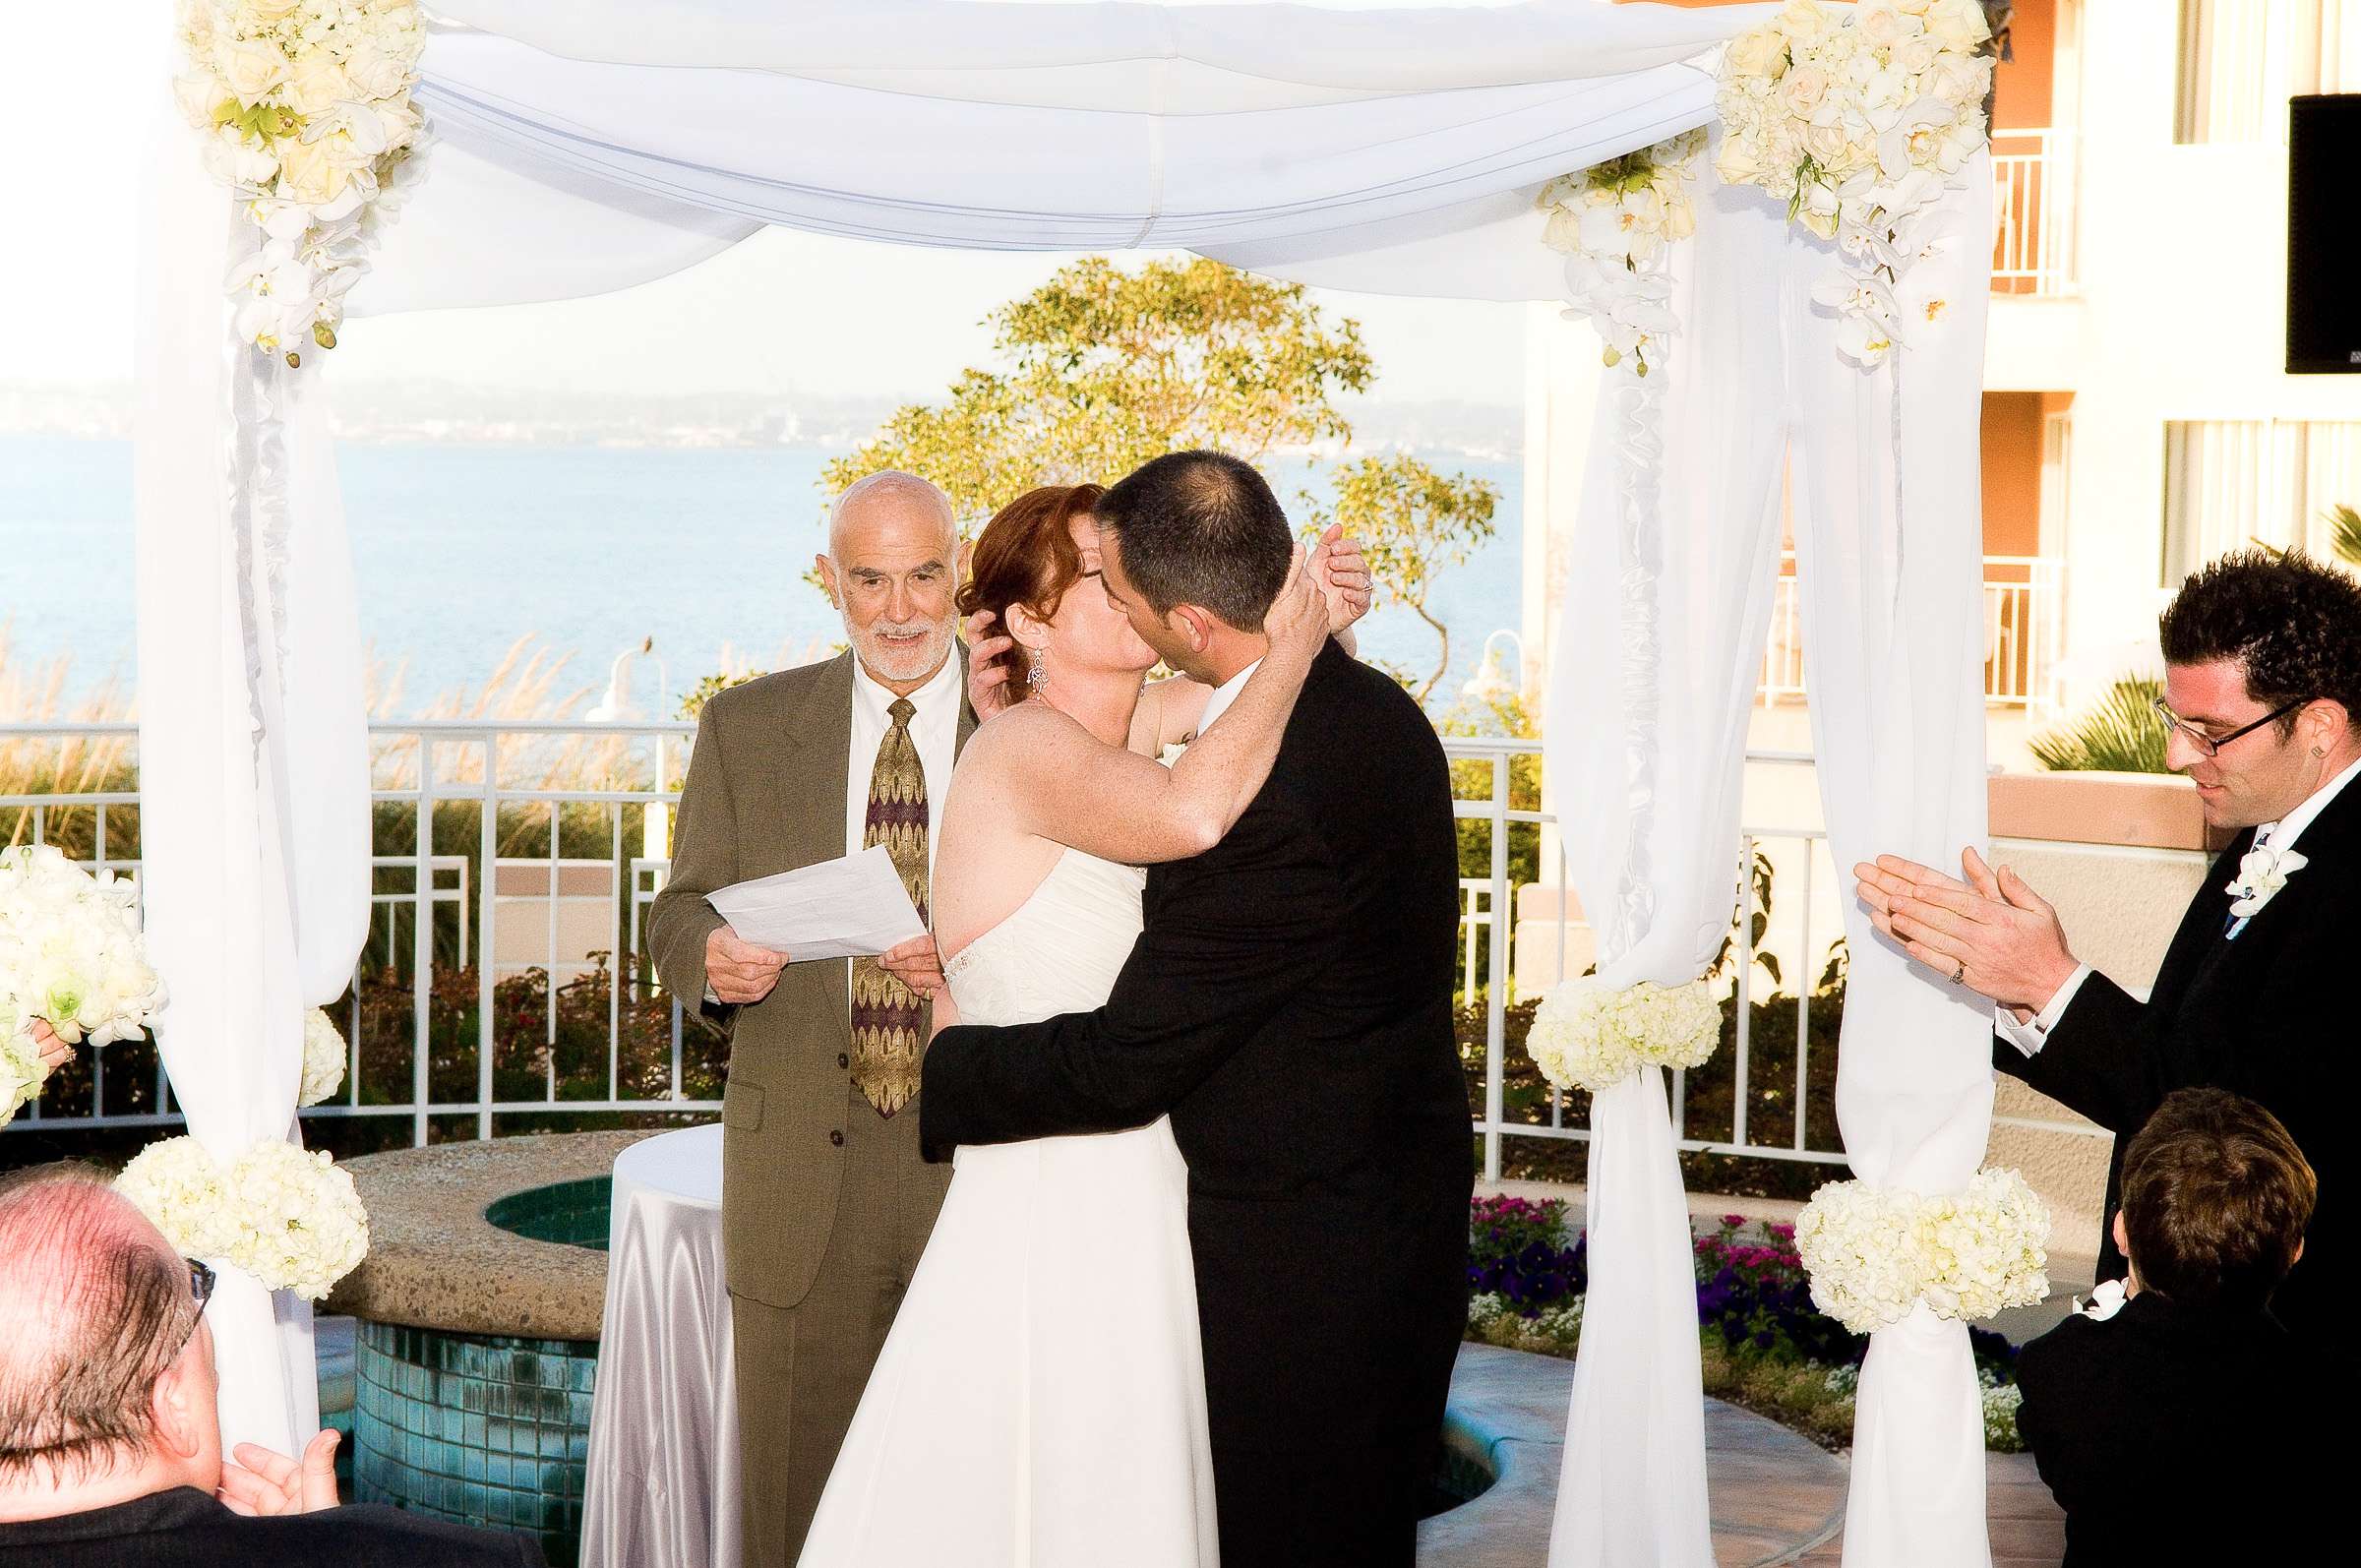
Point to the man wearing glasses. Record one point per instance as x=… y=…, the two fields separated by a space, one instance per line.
x=2263 y=687
x=111 y=1437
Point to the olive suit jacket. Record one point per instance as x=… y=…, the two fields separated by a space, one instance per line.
x=765 y=793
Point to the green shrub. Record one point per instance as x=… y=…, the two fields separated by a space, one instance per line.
x=2121 y=733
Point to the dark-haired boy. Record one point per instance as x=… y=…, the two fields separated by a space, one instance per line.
x=2262 y=696
x=2179 y=1423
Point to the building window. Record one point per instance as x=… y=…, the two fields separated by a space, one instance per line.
x=2242 y=60
x=2229 y=483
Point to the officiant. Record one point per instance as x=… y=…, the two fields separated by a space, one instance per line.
x=2256 y=995
x=826 y=1202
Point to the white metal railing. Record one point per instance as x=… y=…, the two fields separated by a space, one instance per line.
x=437 y=951
x=2024 y=607
x=2033 y=211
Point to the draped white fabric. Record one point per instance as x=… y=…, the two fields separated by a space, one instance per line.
x=1890 y=579
x=589 y=145
x=253 y=817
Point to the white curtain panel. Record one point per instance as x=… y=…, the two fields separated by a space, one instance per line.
x=253 y=841
x=1754 y=388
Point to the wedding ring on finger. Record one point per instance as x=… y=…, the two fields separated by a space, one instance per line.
x=1959 y=973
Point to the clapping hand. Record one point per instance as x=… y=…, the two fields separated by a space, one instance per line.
x=1343 y=573
x=261 y=1482
x=988 y=667
x=1992 y=933
x=54 y=1053
x=739 y=972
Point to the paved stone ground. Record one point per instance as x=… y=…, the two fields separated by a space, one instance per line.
x=1775 y=1494
x=2027 y=1529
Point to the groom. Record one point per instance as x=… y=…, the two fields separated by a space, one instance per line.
x=1289 y=1005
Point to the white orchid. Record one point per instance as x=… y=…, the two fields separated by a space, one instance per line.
x=2262 y=873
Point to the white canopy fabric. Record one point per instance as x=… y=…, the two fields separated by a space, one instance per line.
x=589 y=145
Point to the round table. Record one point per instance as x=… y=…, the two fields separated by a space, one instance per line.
x=662 y=1484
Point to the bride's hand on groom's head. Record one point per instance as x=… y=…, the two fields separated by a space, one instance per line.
x=1296 y=623
x=1342 y=574
x=987 y=665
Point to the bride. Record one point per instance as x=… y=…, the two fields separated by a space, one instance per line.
x=1040 y=1399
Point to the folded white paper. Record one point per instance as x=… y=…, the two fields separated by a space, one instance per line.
x=837 y=909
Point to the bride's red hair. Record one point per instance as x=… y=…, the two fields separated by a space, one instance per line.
x=1026 y=555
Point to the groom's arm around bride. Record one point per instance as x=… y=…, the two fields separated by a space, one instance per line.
x=1289 y=1005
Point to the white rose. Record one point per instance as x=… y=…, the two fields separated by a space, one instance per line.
x=250 y=70
x=1804 y=89
x=308 y=172
x=1882 y=26
x=376 y=73
x=1802 y=20
x=317 y=83
x=1761 y=53
x=267 y=10
x=1958 y=24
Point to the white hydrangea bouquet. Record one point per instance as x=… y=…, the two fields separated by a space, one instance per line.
x=306 y=113
x=71 y=956
x=285 y=1215
x=1874 y=1253
x=1587 y=1035
x=1858 y=121
x=323 y=1054
x=1616 y=223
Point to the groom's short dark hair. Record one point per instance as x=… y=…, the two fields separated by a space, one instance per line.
x=2292 y=622
x=1202 y=528
x=2215 y=1200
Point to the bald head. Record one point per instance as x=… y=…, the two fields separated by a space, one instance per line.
x=97 y=1306
x=892 y=566
x=886 y=499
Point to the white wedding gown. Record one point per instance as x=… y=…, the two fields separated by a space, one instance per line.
x=1040 y=1400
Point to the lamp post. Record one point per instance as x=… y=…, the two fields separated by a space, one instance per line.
x=1488 y=683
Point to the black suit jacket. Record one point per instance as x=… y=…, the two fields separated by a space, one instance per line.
x=2173 y=1437
x=2271 y=1015
x=1289 y=1003
x=185 y=1529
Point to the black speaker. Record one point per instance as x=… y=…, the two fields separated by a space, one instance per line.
x=2323 y=234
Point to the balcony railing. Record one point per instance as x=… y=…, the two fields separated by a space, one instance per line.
x=2023 y=605
x=494 y=1003
x=2033 y=211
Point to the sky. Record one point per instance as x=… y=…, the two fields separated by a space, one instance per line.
x=783 y=313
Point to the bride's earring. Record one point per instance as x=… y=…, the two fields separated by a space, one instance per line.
x=1039 y=675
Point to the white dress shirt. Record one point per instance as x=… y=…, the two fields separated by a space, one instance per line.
x=2029 y=1036
x=1223 y=696
x=935 y=729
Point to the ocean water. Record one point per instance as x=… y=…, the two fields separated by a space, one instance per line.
x=462 y=550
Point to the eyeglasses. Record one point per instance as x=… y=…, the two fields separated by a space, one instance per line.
x=200 y=1291
x=2212 y=744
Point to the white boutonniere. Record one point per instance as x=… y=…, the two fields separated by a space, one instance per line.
x=2106 y=1299
x=2260 y=875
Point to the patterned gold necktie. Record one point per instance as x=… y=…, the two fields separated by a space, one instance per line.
x=889 y=1021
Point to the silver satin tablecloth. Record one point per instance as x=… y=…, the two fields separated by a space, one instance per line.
x=662 y=1489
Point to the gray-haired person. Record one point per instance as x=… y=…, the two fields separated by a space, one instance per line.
x=110 y=1434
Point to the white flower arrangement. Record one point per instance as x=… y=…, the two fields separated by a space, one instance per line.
x=1874 y=1253
x=285 y=1215
x=306 y=113
x=1616 y=223
x=2262 y=873
x=1858 y=122
x=324 y=1056
x=1588 y=1036
x=71 y=956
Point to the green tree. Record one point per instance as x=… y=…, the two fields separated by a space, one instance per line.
x=2120 y=733
x=1104 y=369
x=1415 y=524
